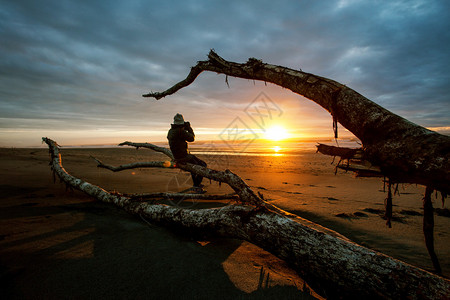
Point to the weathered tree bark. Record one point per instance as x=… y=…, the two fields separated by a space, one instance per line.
x=245 y=193
x=404 y=152
x=343 y=153
x=149 y=146
x=144 y=164
x=334 y=265
x=175 y=196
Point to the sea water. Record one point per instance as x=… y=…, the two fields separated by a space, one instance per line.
x=267 y=148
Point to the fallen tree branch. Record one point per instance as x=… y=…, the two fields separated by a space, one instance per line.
x=166 y=164
x=149 y=146
x=235 y=182
x=245 y=193
x=136 y=165
x=146 y=196
x=361 y=172
x=404 y=152
x=334 y=265
x=355 y=163
x=342 y=152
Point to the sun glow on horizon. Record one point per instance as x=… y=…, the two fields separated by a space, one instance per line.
x=276 y=133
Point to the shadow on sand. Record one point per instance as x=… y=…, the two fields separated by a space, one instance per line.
x=111 y=254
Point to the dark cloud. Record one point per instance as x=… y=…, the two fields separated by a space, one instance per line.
x=88 y=62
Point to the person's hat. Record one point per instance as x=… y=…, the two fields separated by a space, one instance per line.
x=178 y=119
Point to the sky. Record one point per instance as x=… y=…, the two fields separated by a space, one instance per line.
x=74 y=71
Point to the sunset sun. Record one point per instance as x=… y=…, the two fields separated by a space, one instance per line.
x=276 y=133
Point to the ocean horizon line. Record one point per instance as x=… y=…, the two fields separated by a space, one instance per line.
x=198 y=142
x=257 y=147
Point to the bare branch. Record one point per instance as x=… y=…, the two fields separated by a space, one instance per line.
x=243 y=191
x=136 y=165
x=404 y=152
x=342 y=152
x=145 y=196
x=361 y=171
x=246 y=194
x=149 y=146
x=195 y=71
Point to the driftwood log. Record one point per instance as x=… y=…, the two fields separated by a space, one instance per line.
x=402 y=151
x=332 y=264
x=405 y=152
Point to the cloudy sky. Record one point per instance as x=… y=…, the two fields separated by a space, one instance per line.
x=75 y=70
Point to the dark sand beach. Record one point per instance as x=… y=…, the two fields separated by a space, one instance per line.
x=56 y=243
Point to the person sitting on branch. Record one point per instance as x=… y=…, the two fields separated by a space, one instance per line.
x=179 y=134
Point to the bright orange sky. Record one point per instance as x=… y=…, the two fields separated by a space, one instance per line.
x=298 y=117
x=260 y=110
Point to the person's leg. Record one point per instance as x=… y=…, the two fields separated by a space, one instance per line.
x=197 y=179
x=199 y=162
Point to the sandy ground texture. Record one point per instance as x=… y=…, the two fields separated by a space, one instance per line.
x=58 y=244
x=63 y=244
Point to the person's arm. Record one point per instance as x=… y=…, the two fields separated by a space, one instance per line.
x=188 y=132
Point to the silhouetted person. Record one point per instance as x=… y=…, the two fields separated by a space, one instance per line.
x=179 y=134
